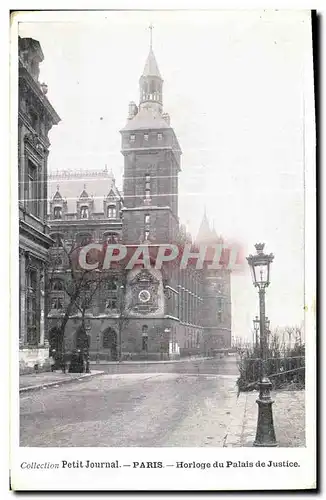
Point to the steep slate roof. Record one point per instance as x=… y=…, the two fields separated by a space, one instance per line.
x=146 y=119
x=84 y=194
x=151 y=66
x=57 y=195
x=72 y=183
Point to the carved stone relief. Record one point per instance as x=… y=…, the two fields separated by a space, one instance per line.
x=144 y=290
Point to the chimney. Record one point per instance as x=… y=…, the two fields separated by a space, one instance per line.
x=166 y=117
x=132 y=110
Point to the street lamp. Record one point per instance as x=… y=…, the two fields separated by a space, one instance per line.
x=98 y=348
x=260 y=270
x=256 y=322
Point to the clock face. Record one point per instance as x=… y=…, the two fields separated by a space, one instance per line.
x=144 y=296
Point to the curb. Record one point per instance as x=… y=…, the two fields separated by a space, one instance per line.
x=118 y=363
x=234 y=436
x=82 y=377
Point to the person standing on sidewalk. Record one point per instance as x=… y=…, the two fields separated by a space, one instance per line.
x=52 y=361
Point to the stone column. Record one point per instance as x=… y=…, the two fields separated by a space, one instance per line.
x=41 y=305
x=21 y=160
x=22 y=292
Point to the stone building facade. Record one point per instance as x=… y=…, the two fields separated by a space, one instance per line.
x=36 y=116
x=170 y=311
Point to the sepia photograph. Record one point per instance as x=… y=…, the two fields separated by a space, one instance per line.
x=164 y=167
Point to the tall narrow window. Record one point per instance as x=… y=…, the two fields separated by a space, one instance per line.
x=57 y=285
x=32 y=189
x=57 y=304
x=111 y=212
x=132 y=138
x=146 y=235
x=146 y=137
x=147 y=186
x=159 y=137
x=57 y=213
x=145 y=338
x=84 y=212
x=147 y=219
x=112 y=295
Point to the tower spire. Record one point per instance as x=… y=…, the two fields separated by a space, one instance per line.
x=151 y=82
x=150 y=27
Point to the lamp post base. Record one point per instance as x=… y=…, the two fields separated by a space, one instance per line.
x=265 y=434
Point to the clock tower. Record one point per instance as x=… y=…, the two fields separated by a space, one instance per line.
x=151 y=165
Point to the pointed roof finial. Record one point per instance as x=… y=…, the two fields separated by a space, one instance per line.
x=58 y=187
x=205 y=211
x=150 y=27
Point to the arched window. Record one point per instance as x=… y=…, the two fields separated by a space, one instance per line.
x=111 y=212
x=84 y=212
x=109 y=339
x=57 y=213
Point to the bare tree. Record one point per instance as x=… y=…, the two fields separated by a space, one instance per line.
x=78 y=285
x=121 y=315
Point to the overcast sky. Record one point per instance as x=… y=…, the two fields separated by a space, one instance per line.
x=233 y=86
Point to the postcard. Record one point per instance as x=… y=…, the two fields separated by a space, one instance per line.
x=163 y=250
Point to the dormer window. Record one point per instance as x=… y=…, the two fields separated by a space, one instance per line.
x=145 y=137
x=159 y=137
x=57 y=213
x=132 y=138
x=111 y=238
x=84 y=214
x=111 y=212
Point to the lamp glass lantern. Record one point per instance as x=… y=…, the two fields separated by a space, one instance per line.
x=260 y=266
x=256 y=323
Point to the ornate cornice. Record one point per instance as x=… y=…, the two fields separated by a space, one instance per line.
x=28 y=85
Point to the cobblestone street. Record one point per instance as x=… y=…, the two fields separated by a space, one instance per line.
x=193 y=403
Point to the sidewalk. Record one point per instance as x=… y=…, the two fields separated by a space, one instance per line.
x=35 y=381
x=288 y=413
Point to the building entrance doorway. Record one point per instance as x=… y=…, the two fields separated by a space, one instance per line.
x=110 y=343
